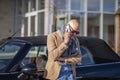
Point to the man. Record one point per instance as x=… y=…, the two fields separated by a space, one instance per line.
x=63 y=52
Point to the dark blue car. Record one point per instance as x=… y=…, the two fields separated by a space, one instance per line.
x=24 y=58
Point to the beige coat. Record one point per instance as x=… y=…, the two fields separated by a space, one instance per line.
x=56 y=47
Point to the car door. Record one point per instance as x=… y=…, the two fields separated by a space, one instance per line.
x=11 y=55
x=87 y=59
x=37 y=55
x=88 y=69
x=105 y=70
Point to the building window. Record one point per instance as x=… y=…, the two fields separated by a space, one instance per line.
x=26 y=26
x=32 y=31
x=26 y=6
x=109 y=29
x=33 y=5
x=109 y=5
x=60 y=22
x=93 y=5
x=30 y=5
x=78 y=5
x=95 y=16
x=41 y=23
x=61 y=4
x=33 y=21
x=93 y=24
x=41 y=4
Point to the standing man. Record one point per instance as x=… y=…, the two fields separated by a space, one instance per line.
x=63 y=52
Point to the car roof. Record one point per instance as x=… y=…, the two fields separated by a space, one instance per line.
x=35 y=40
x=99 y=48
x=42 y=40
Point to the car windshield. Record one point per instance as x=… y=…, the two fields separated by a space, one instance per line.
x=7 y=52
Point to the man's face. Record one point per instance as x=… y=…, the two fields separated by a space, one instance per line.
x=72 y=30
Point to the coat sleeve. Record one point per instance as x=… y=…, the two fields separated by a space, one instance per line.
x=55 y=51
x=76 y=59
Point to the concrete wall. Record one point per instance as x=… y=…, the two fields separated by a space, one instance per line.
x=6 y=18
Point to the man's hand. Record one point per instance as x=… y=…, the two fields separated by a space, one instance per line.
x=64 y=60
x=67 y=37
x=61 y=59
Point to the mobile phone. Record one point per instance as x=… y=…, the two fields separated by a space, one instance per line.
x=67 y=28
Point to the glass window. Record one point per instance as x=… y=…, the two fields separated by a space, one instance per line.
x=26 y=5
x=61 y=19
x=93 y=24
x=87 y=57
x=109 y=5
x=26 y=27
x=80 y=17
x=33 y=5
x=41 y=23
x=7 y=53
x=41 y=4
x=30 y=5
x=61 y=22
x=32 y=33
x=77 y=5
x=37 y=55
x=93 y=5
x=109 y=29
x=37 y=51
x=61 y=4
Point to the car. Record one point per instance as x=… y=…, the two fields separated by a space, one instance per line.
x=24 y=58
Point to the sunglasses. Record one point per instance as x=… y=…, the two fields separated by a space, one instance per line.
x=72 y=30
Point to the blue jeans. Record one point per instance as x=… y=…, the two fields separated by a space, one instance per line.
x=66 y=73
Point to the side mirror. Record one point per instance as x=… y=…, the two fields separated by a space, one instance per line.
x=29 y=69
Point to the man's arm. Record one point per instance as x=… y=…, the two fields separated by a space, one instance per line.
x=71 y=60
x=55 y=51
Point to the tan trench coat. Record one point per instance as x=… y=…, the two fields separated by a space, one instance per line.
x=56 y=47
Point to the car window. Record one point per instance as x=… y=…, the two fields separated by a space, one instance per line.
x=86 y=56
x=42 y=51
x=36 y=55
x=7 y=52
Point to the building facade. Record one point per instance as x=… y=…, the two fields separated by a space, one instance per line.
x=41 y=17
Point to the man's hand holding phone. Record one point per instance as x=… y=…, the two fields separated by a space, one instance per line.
x=67 y=36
